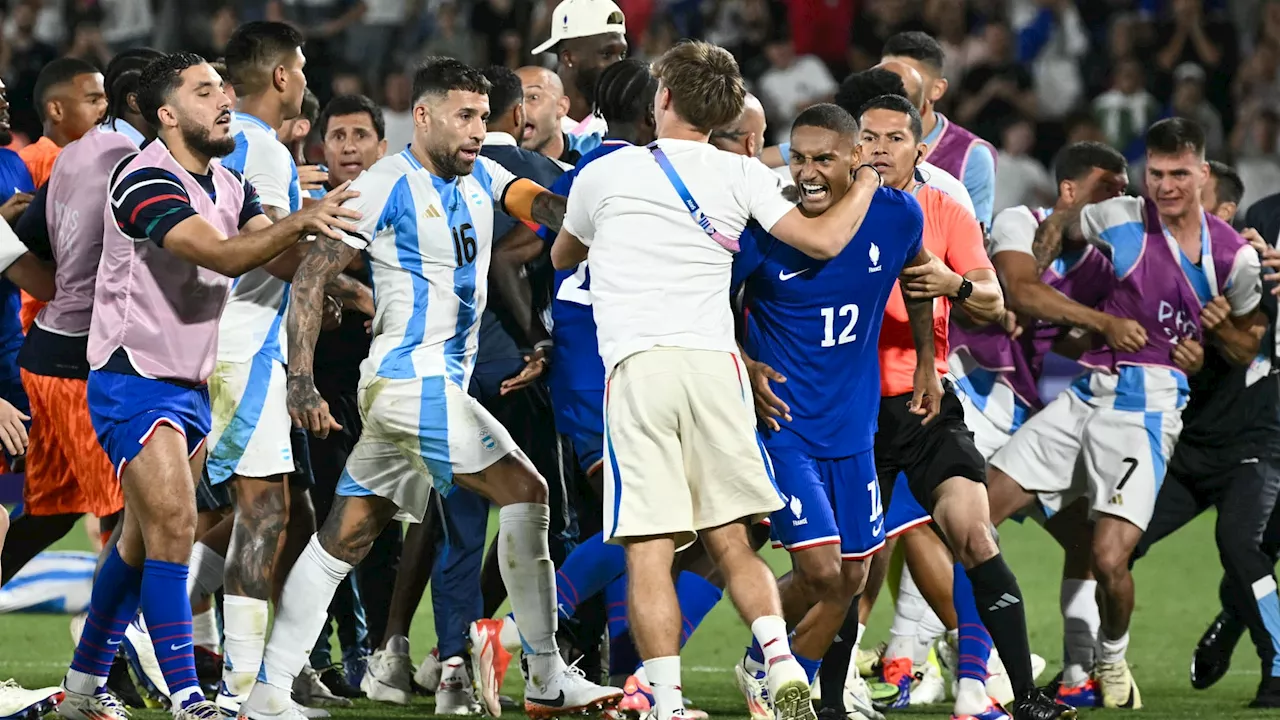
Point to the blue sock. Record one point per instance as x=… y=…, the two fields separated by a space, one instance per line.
x=755 y=652
x=975 y=642
x=112 y=606
x=615 y=600
x=588 y=569
x=697 y=597
x=810 y=666
x=168 y=615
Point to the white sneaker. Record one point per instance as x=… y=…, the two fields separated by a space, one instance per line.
x=141 y=655
x=789 y=691
x=18 y=702
x=99 y=706
x=428 y=674
x=567 y=692
x=754 y=692
x=454 y=694
x=286 y=711
x=929 y=687
x=310 y=691
x=203 y=710
x=857 y=699
x=387 y=678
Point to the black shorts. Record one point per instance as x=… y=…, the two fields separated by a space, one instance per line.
x=928 y=455
x=215 y=497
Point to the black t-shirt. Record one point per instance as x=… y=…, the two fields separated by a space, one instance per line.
x=991 y=119
x=1225 y=413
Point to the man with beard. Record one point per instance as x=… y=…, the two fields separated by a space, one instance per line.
x=427 y=223
x=179 y=226
x=587 y=36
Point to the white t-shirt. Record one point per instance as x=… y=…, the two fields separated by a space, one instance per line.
x=656 y=277
x=11 y=248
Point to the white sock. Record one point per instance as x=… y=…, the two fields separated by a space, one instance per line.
x=301 y=613
x=206 y=571
x=509 y=636
x=908 y=612
x=770 y=632
x=1113 y=650
x=83 y=683
x=971 y=697
x=530 y=577
x=398 y=645
x=245 y=625
x=204 y=630
x=931 y=628
x=1081 y=626
x=664 y=678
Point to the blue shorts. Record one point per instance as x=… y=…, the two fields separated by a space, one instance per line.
x=829 y=502
x=127 y=409
x=904 y=511
x=580 y=416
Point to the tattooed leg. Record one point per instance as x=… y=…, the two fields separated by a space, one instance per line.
x=353 y=524
x=255 y=539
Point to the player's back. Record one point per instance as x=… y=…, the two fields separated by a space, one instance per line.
x=254 y=319
x=818 y=324
x=429 y=244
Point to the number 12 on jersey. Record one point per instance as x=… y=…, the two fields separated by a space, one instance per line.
x=847 y=335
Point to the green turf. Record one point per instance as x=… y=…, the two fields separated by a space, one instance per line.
x=1177 y=596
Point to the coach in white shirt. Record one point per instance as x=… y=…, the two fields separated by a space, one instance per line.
x=682 y=456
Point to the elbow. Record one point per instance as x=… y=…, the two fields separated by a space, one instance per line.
x=560 y=259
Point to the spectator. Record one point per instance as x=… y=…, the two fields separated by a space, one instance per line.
x=746 y=38
x=1259 y=164
x=1125 y=111
x=947 y=22
x=1052 y=40
x=27 y=56
x=661 y=38
x=347 y=83
x=397 y=111
x=371 y=42
x=1083 y=126
x=879 y=21
x=452 y=37
x=792 y=84
x=89 y=45
x=997 y=89
x=1257 y=82
x=1188 y=35
x=1189 y=102
x=1121 y=44
x=498 y=24
x=1223 y=192
x=126 y=23
x=323 y=23
x=1022 y=179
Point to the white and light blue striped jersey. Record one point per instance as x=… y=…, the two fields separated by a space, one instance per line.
x=53 y=582
x=254 y=319
x=1141 y=388
x=428 y=242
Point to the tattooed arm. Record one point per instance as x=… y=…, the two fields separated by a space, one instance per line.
x=529 y=202
x=324 y=260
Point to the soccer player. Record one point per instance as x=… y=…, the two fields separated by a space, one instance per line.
x=943 y=470
x=951 y=147
x=1184 y=275
x=670 y=442
x=67 y=473
x=587 y=36
x=998 y=376
x=427 y=222
x=545 y=108
x=813 y=328
x=71 y=99
x=249 y=442
x=746 y=135
x=171 y=244
x=1228 y=457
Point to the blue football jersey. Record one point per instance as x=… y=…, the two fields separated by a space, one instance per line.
x=818 y=323
x=575 y=360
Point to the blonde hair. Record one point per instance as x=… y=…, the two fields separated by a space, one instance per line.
x=705 y=85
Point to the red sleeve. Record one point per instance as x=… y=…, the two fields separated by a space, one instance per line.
x=966 y=251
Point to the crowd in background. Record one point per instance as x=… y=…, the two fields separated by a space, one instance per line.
x=1027 y=75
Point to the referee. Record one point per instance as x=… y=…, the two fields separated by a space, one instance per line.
x=1228 y=457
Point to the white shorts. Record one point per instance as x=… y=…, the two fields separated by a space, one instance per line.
x=250 y=429
x=681 y=452
x=987 y=436
x=417 y=435
x=1123 y=455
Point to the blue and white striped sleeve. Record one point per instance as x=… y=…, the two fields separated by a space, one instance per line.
x=1244 y=284
x=980 y=180
x=380 y=194
x=497 y=177
x=1115 y=226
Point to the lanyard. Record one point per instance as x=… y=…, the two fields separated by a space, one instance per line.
x=690 y=204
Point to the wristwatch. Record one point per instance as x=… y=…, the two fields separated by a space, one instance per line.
x=966 y=289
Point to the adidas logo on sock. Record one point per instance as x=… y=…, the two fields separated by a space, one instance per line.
x=1005 y=601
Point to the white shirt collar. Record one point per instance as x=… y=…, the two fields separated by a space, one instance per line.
x=499 y=138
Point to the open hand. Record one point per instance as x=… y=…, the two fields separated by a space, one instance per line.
x=769 y=406
x=930 y=280
x=13 y=433
x=535 y=365
x=328 y=217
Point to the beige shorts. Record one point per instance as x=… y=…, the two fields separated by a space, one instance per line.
x=681 y=452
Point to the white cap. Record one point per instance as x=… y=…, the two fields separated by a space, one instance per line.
x=583 y=18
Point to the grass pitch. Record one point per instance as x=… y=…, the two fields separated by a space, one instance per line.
x=1177 y=597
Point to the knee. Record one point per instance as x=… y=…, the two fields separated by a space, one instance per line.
x=1110 y=562
x=528 y=486
x=973 y=544
x=823 y=579
x=171 y=535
